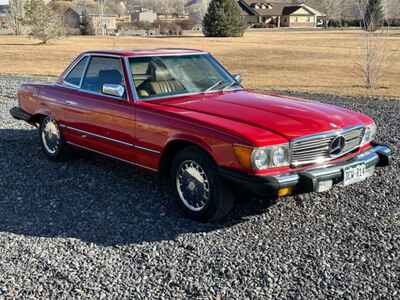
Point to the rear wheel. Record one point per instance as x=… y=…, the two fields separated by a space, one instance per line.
x=52 y=141
x=198 y=191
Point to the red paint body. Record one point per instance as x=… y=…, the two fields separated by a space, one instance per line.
x=213 y=121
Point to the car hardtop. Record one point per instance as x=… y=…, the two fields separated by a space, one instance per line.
x=144 y=52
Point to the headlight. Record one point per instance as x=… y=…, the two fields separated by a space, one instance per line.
x=280 y=156
x=259 y=158
x=263 y=157
x=270 y=157
x=369 y=134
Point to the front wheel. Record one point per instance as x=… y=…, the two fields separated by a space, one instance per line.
x=52 y=141
x=199 y=192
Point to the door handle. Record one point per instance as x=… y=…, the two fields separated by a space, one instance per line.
x=72 y=103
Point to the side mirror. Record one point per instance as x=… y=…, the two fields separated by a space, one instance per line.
x=237 y=78
x=116 y=90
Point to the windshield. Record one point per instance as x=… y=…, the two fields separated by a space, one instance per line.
x=161 y=76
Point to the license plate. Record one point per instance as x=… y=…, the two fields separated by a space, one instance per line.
x=354 y=174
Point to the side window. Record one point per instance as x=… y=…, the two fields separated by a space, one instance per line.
x=103 y=70
x=74 y=77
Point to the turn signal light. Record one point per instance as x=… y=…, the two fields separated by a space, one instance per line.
x=243 y=154
x=285 y=191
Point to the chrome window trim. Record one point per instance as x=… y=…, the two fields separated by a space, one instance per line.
x=90 y=55
x=85 y=70
x=130 y=80
x=66 y=83
x=325 y=134
x=214 y=62
x=101 y=94
x=183 y=95
x=110 y=139
x=70 y=69
x=168 y=54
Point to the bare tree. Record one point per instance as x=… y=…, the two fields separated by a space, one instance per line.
x=373 y=59
x=373 y=55
x=15 y=15
x=44 y=24
x=392 y=10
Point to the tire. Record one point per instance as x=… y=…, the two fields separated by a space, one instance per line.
x=52 y=140
x=197 y=188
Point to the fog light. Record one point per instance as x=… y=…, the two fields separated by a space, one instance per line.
x=285 y=191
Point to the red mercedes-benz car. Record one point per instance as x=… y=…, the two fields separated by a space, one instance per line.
x=179 y=112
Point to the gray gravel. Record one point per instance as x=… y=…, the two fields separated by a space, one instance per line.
x=95 y=228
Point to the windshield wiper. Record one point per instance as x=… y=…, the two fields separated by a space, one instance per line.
x=229 y=85
x=218 y=83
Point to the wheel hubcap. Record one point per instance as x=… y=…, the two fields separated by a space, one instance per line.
x=51 y=137
x=193 y=185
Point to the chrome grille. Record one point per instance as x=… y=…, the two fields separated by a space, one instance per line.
x=315 y=148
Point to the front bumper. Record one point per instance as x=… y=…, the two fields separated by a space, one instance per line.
x=19 y=114
x=309 y=180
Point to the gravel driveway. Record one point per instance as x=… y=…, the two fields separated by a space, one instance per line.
x=96 y=228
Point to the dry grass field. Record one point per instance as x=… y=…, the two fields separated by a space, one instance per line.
x=299 y=61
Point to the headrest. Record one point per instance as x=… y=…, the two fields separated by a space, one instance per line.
x=110 y=76
x=159 y=71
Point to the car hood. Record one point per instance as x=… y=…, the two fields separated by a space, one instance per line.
x=286 y=116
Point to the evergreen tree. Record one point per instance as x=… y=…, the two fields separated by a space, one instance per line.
x=223 y=19
x=374 y=15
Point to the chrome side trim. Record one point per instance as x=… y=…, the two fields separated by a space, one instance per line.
x=84 y=132
x=111 y=156
x=99 y=136
x=147 y=149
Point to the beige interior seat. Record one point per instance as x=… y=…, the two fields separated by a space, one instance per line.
x=160 y=81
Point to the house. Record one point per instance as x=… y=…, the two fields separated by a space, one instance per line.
x=97 y=17
x=278 y=14
x=70 y=18
x=106 y=24
x=197 y=9
x=4 y=9
x=144 y=15
x=172 y=18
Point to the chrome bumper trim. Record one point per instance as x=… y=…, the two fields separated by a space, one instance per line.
x=377 y=156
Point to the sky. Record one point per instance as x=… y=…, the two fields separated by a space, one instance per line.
x=3 y=2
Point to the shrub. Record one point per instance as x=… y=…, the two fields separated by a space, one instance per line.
x=223 y=19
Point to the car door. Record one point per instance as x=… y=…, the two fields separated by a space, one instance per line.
x=97 y=120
